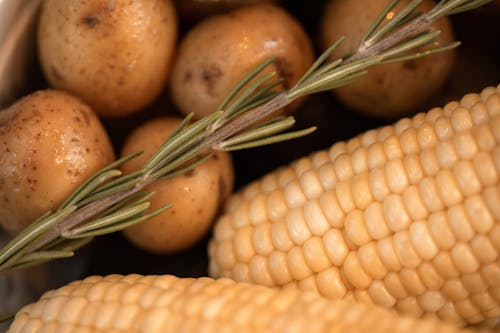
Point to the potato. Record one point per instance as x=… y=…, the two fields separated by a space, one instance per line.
x=218 y=52
x=115 y=55
x=194 y=10
x=196 y=195
x=389 y=90
x=50 y=143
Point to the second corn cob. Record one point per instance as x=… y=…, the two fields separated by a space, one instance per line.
x=405 y=216
x=151 y=304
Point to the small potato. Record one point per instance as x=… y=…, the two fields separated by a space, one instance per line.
x=50 y=143
x=196 y=195
x=115 y=55
x=389 y=90
x=218 y=52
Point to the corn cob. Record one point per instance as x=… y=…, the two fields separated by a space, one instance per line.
x=405 y=216
x=151 y=304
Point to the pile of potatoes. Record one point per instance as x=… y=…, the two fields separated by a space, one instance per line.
x=121 y=75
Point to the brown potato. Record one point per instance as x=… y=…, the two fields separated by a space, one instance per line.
x=218 y=52
x=194 y=10
x=389 y=90
x=196 y=195
x=50 y=143
x=115 y=55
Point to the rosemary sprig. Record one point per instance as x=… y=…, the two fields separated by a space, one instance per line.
x=108 y=201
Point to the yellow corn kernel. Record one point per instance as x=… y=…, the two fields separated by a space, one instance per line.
x=430 y=277
x=330 y=283
x=360 y=160
x=394 y=285
x=406 y=216
x=262 y=240
x=278 y=268
x=370 y=260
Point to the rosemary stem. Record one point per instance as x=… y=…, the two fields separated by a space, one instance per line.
x=87 y=212
x=248 y=119
x=368 y=50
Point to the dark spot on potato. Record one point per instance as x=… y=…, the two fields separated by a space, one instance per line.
x=32 y=183
x=56 y=74
x=199 y=211
x=74 y=140
x=379 y=79
x=90 y=21
x=187 y=77
x=191 y=173
x=209 y=76
x=85 y=116
x=410 y=65
x=215 y=36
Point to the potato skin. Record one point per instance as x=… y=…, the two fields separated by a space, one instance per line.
x=50 y=143
x=193 y=10
x=218 y=52
x=115 y=55
x=389 y=90
x=196 y=195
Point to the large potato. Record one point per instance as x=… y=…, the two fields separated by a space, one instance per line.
x=115 y=55
x=389 y=90
x=218 y=52
x=50 y=143
x=196 y=195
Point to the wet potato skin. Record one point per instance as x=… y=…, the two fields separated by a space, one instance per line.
x=50 y=142
x=218 y=52
x=192 y=11
x=115 y=55
x=196 y=195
